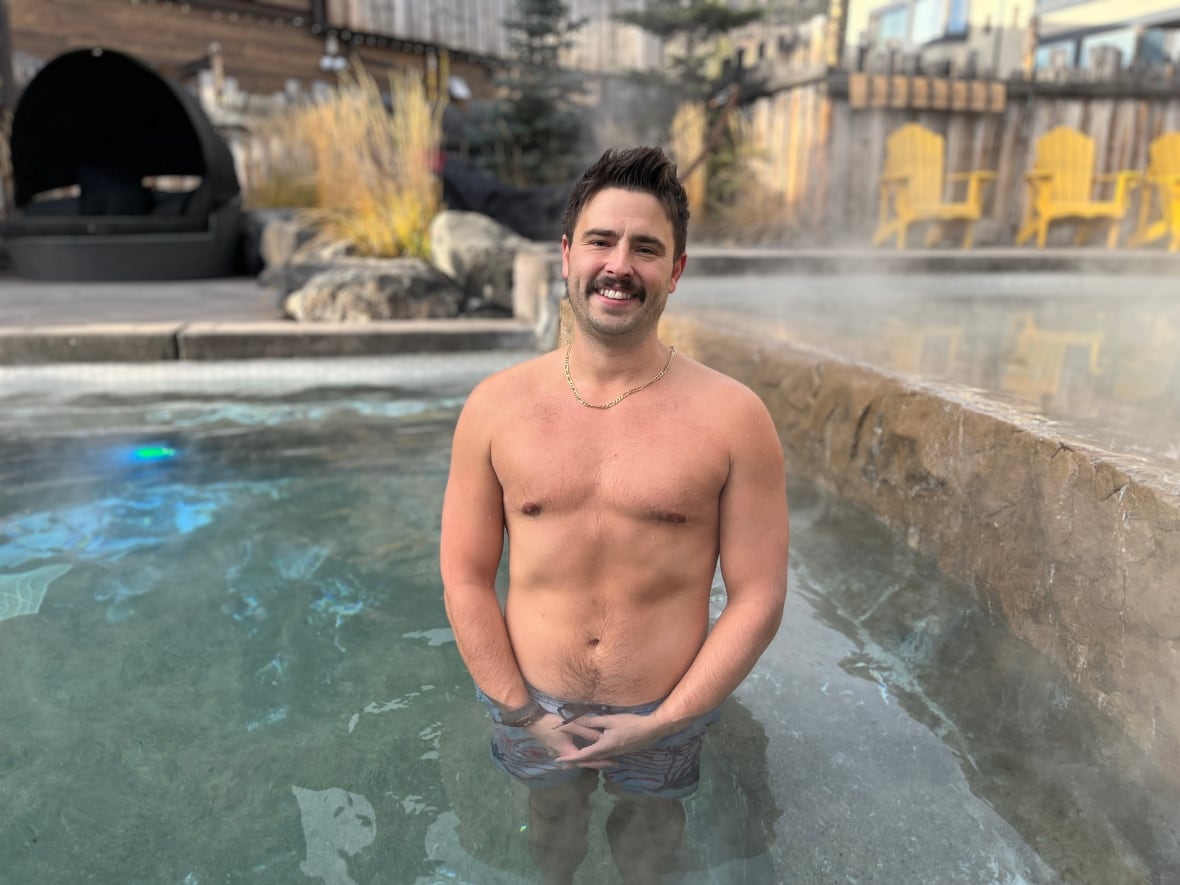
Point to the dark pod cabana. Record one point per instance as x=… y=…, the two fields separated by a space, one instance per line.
x=118 y=174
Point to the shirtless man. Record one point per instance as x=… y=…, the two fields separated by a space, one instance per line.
x=620 y=472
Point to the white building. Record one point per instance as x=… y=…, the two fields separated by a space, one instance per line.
x=1091 y=34
x=1003 y=37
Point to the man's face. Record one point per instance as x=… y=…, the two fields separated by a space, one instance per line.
x=618 y=265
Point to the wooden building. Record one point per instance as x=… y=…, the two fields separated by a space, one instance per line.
x=269 y=46
x=265 y=46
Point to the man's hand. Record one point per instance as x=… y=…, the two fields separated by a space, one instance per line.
x=614 y=735
x=559 y=739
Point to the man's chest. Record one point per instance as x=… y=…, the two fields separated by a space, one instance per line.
x=663 y=470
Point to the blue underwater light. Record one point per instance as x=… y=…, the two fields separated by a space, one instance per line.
x=153 y=453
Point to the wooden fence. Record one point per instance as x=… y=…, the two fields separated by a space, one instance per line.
x=818 y=134
x=824 y=136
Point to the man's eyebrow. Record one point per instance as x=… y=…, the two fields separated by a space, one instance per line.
x=641 y=239
x=648 y=241
x=600 y=232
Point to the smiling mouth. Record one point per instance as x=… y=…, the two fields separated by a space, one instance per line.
x=611 y=293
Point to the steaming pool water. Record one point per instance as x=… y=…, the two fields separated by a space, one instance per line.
x=225 y=659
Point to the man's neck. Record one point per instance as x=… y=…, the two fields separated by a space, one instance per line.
x=599 y=368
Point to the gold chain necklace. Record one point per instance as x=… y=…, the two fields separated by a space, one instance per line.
x=622 y=396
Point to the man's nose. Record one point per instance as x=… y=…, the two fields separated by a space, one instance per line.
x=618 y=261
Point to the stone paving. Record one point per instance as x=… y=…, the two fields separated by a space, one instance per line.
x=1085 y=336
x=238 y=318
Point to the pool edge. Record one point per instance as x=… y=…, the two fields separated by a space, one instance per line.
x=1075 y=548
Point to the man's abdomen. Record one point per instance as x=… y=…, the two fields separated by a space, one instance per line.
x=604 y=651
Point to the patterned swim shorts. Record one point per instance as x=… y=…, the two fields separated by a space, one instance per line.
x=669 y=769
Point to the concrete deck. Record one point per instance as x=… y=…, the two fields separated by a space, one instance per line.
x=1086 y=337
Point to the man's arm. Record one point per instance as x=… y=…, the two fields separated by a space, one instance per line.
x=754 y=539
x=470 y=547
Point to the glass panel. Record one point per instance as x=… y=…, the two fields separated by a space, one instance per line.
x=929 y=20
x=1123 y=40
x=958 y=13
x=1062 y=52
x=892 y=24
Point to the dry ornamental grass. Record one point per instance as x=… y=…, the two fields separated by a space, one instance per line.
x=365 y=174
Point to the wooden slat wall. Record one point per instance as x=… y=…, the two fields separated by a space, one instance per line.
x=821 y=158
x=827 y=156
x=261 y=52
x=262 y=47
x=466 y=25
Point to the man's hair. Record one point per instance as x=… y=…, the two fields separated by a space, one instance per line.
x=644 y=169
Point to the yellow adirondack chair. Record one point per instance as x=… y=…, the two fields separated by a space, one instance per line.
x=1061 y=188
x=912 y=185
x=1159 y=210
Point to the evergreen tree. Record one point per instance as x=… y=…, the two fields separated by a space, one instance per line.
x=695 y=25
x=540 y=129
x=693 y=30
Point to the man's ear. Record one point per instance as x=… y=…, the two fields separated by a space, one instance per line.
x=565 y=257
x=677 y=269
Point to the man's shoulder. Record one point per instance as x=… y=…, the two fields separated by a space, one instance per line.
x=730 y=407
x=724 y=388
x=510 y=382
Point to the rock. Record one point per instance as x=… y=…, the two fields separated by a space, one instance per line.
x=473 y=251
x=538 y=291
x=361 y=290
x=281 y=234
x=478 y=253
x=292 y=250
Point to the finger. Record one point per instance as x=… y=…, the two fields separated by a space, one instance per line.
x=585 y=754
x=582 y=731
x=593 y=720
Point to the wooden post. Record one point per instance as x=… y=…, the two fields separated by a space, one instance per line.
x=7 y=100
x=1028 y=61
x=217 y=68
x=834 y=34
x=7 y=87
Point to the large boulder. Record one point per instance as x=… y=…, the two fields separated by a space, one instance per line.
x=281 y=234
x=320 y=279
x=292 y=252
x=361 y=290
x=478 y=253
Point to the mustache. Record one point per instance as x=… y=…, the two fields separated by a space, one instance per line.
x=627 y=288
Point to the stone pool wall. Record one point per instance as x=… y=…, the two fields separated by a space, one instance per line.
x=1076 y=548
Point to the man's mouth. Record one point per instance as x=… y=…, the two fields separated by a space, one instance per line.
x=614 y=294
